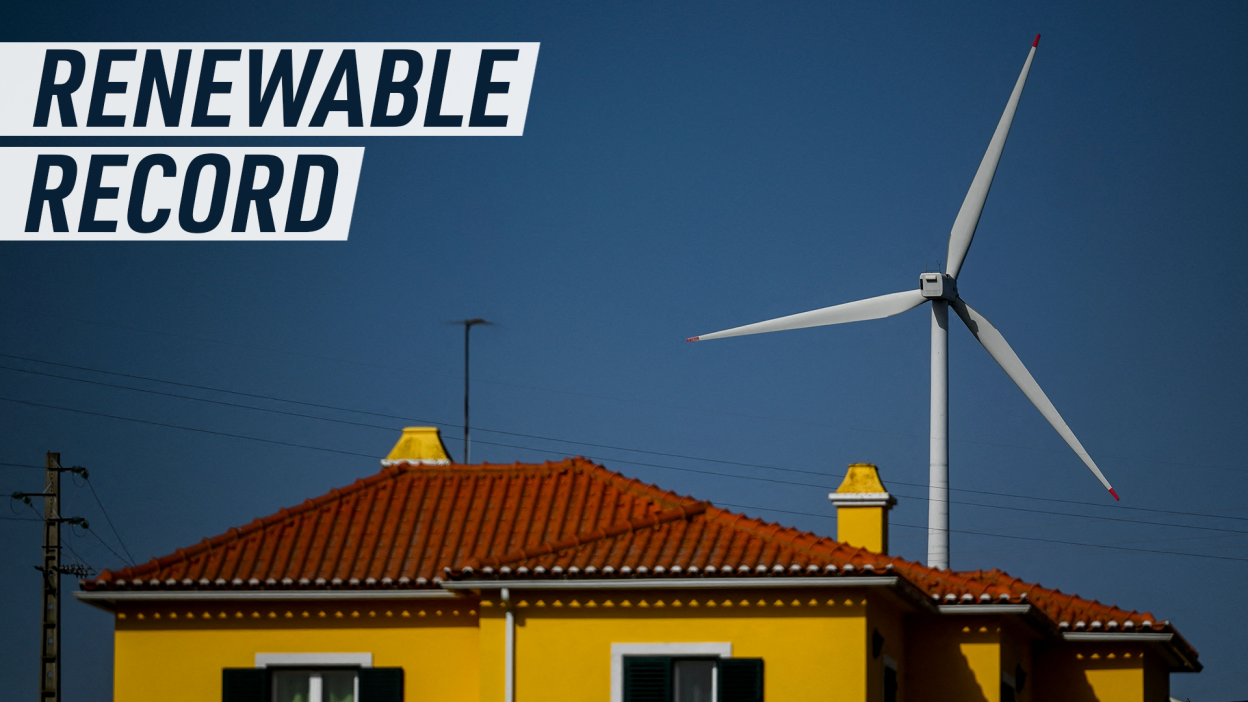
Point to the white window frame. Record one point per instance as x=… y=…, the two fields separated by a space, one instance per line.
x=312 y=661
x=676 y=650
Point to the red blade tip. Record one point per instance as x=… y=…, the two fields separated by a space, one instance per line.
x=692 y=338
x=1034 y=44
x=1111 y=491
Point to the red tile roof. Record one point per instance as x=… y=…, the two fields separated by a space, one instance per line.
x=412 y=526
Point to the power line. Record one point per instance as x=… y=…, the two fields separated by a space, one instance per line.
x=93 y=534
x=205 y=339
x=110 y=548
x=1051 y=550
x=600 y=458
x=222 y=402
x=1108 y=519
x=554 y=439
x=19 y=465
x=1011 y=536
x=959 y=502
x=110 y=521
x=291 y=444
x=365 y=364
x=1076 y=543
x=402 y=369
x=82 y=561
x=917 y=497
x=177 y=426
x=33 y=510
x=541 y=389
x=608 y=459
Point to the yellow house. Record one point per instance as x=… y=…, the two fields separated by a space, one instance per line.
x=566 y=581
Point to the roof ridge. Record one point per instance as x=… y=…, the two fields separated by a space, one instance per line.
x=791 y=535
x=633 y=485
x=621 y=527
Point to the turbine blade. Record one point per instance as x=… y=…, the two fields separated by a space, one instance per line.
x=973 y=206
x=870 y=308
x=1013 y=367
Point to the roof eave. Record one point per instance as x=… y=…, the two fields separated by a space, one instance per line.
x=1182 y=657
x=671 y=583
x=108 y=599
x=903 y=589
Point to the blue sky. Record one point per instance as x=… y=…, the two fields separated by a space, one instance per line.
x=687 y=168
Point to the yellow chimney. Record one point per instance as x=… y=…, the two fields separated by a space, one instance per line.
x=862 y=506
x=419 y=445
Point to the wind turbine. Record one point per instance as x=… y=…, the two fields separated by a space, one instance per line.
x=941 y=290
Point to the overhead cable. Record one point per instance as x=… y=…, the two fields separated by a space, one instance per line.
x=559 y=440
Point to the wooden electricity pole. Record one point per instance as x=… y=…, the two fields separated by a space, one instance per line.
x=52 y=570
x=50 y=648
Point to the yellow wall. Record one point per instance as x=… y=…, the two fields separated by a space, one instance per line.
x=960 y=658
x=167 y=653
x=1102 y=673
x=812 y=645
x=816 y=644
x=491 y=648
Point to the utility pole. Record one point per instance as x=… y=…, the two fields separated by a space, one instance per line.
x=50 y=650
x=468 y=325
x=52 y=570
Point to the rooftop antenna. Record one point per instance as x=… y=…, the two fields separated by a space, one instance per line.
x=468 y=325
x=941 y=290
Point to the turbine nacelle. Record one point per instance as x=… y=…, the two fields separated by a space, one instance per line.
x=938 y=286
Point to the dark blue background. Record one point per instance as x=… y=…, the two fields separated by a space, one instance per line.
x=686 y=168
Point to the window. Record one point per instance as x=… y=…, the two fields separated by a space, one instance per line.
x=684 y=679
x=694 y=680
x=890 y=685
x=890 y=679
x=1009 y=686
x=315 y=685
x=290 y=684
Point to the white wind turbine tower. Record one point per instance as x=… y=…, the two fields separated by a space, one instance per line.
x=941 y=290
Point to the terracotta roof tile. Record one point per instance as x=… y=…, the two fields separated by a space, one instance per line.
x=413 y=525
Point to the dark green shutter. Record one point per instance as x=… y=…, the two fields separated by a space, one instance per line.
x=890 y=684
x=244 y=685
x=381 y=685
x=646 y=679
x=741 y=680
